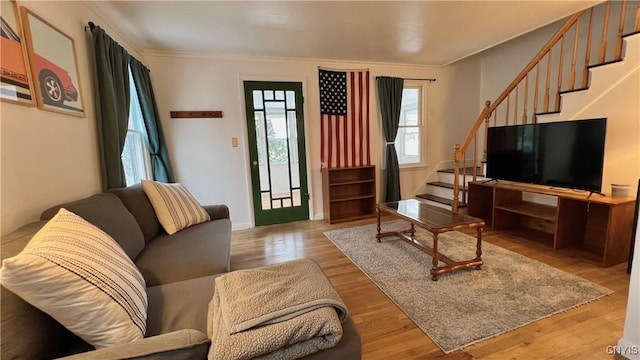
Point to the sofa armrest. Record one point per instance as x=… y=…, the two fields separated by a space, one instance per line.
x=181 y=344
x=217 y=211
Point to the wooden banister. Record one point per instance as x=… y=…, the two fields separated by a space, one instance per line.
x=546 y=54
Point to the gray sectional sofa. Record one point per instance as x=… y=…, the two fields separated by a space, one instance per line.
x=179 y=271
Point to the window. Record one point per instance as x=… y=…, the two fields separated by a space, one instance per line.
x=135 y=155
x=408 y=143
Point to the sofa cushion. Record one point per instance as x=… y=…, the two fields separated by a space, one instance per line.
x=134 y=199
x=171 y=310
x=108 y=213
x=175 y=207
x=18 y=340
x=80 y=276
x=200 y=250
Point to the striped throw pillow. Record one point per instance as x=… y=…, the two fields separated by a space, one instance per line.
x=81 y=277
x=175 y=207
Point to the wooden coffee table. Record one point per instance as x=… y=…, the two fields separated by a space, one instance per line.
x=436 y=221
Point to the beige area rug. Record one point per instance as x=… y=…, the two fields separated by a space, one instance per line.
x=469 y=306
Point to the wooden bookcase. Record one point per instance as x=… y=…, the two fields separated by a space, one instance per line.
x=596 y=228
x=349 y=193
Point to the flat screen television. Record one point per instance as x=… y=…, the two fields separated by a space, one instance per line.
x=567 y=154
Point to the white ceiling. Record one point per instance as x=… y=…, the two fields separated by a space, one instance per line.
x=410 y=32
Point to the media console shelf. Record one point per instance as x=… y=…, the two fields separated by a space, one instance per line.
x=596 y=228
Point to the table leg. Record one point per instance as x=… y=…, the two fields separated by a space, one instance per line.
x=378 y=214
x=413 y=230
x=434 y=267
x=479 y=246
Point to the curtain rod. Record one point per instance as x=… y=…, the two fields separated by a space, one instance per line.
x=417 y=79
x=90 y=27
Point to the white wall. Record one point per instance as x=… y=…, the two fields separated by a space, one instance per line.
x=215 y=172
x=47 y=157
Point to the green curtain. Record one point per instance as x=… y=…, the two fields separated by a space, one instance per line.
x=160 y=163
x=390 y=99
x=112 y=105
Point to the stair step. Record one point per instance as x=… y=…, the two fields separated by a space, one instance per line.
x=444 y=185
x=440 y=200
x=469 y=170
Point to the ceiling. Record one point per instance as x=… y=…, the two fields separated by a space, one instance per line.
x=409 y=32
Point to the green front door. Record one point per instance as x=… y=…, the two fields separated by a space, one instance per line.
x=275 y=126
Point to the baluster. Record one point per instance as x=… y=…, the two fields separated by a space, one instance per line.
x=487 y=118
x=560 y=67
x=475 y=163
x=605 y=28
x=506 y=116
x=515 y=110
x=495 y=116
x=526 y=98
x=464 y=173
x=585 y=73
x=456 y=179
x=574 y=56
x=535 y=95
x=486 y=134
x=618 y=51
x=548 y=84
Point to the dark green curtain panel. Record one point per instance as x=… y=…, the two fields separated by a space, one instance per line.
x=162 y=170
x=112 y=105
x=390 y=99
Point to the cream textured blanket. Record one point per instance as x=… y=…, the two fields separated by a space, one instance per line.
x=283 y=311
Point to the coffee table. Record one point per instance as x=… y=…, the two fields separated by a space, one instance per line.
x=436 y=221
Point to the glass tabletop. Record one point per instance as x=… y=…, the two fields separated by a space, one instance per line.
x=429 y=215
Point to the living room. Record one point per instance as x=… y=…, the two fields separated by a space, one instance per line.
x=50 y=158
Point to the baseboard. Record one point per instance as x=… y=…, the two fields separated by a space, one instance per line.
x=319 y=216
x=241 y=226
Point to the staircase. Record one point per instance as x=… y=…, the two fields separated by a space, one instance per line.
x=440 y=193
x=588 y=40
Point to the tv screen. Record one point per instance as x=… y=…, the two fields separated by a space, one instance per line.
x=566 y=154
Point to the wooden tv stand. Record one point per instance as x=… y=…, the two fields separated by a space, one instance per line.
x=596 y=228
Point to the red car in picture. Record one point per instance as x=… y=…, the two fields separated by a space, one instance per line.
x=55 y=83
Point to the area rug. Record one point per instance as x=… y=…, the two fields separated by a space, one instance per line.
x=465 y=307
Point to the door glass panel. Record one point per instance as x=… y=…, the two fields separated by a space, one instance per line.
x=276 y=204
x=266 y=201
x=296 y=198
x=291 y=100
x=257 y=99
x=293 y=136
x=279 y=95
x=278 y=143
x=268 y=95
x=261 y=144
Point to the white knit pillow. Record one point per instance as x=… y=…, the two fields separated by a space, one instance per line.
x=81 y=277
x=175 y=207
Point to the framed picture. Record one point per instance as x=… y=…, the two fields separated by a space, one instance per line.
x=15 y=77
x=54 y=66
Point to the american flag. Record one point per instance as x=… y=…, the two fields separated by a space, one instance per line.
x=344 y=116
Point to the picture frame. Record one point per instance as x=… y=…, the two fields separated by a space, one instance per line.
x=54 y=66
x=15 y=76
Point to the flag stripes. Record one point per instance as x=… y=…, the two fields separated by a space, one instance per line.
x=344 y=112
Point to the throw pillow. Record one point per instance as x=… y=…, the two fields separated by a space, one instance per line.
x=81 y=277
x=175 y=207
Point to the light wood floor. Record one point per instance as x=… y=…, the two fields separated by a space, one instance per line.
x=581 y=333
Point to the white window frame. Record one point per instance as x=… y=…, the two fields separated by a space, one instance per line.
x=137 y=137
x=422 y=97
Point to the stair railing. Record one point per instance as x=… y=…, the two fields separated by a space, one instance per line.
x=535 y=96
